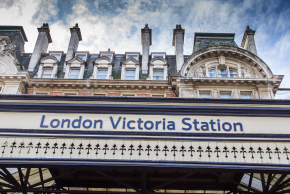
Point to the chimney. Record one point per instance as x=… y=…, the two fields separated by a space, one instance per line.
x=146 y=36
x=248 y=42
x=41 y=45
x=75 y=37
x=178 y=42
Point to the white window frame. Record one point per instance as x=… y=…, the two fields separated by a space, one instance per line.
x=130 y=69
x=158 y=65
x=43 y=70
x=79 y=70
x=102 y=63
x=108 y=54
x=128 y=54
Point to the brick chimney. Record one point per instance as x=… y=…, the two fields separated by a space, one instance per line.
x=146 y=36
x=41 y=45
x=178 y=42
x=75 y=37
x=248 y=42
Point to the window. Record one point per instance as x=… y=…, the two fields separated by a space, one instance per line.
x=46 y=73
x=225 y=95
x=155 y=56
x=133 y=56
x=130 y=75
x=222 y=73
x=159 y=55
x=246 y=95
x=56 y=55
x=74 y=73
x=204 y=95
x=102 y=74
x=233 y=73
x=158 y=75
x=211 y=72
x=70 y=94
x=158 y=96
x=128 y=95
x=99 y=94
x=82 y=56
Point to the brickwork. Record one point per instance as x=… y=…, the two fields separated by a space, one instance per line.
x=114 y=94
x=143 y=95
x=55 y=93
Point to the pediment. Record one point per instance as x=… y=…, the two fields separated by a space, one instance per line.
x=49 y=59
x=158 y=61
x=130 y=60
x=103 y=59
x=76 y=60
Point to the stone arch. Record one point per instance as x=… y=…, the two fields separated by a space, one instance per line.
x=253 y=62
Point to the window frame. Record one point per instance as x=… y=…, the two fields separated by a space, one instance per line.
x=202 y=91
x=218 y=72
x=130 y=69
x=74 y=68
x=102 y=69
x=223 y=92
x=249 y=92
x=158 y=70
x=163 y=54
x=47 y=68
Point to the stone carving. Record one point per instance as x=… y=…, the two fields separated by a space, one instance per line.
x=200 y=71
x=246 y=73
x=8 y=60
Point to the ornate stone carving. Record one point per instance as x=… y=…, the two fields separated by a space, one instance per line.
x=246 y=73
x=200 y=71
x=8 y=60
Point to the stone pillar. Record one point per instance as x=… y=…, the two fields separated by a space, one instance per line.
x=41 y=45
x=248 y=42
x=146 y=42
x=75 y=37
x=178 y=42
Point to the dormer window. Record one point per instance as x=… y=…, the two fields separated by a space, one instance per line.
x=158 y=69
x=134 y=55
x=75 y=68
x=130 y=69
x=82 y=55
x=158 y=55
x=48 y=67
x=56 y=54
x=102 y=68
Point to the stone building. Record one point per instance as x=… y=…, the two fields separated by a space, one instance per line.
x=217 y=68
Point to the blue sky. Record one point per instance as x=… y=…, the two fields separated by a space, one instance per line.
x=116 y=24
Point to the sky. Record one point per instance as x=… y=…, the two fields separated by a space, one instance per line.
x=116 y=24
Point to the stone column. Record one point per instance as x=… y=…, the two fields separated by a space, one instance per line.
x=248 y=42
x=41 y=45
x=178 y=42
x=146 y=42
x=75 y=37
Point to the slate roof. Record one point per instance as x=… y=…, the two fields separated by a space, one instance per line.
x=116 y=72
x=204 y=40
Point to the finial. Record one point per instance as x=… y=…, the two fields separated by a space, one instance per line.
x=77 y=25
x=248 y=28
x=176 y=26
x=146 y=25
x=109 y=49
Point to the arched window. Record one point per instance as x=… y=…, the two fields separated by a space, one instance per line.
x=222 y=73
x=233 y=73
x=211 y=73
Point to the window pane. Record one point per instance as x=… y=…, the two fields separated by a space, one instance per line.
x=82 y=57
x=57 y=56
x=246 y=95
x=204 y=94
x=225 y=95
x=102 y=77
x=222 y=72
x=102 y=72
x=46 y=73
x=130 y=78
x=74 y=73
x=155 y=56
x=211 y=72
x=134 y=56
x=158 y=73
x=233 y=73
x=130 y=72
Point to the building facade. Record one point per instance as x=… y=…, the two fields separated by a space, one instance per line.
x=141 y=122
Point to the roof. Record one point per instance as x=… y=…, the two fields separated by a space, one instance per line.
x=15 y=28
x=204 y=40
